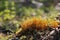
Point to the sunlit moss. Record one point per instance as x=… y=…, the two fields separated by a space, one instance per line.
x=7 y=11
x=35 y=23
x=8 y=16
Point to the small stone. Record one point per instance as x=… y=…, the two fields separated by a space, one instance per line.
x=33 y=14
x=37 y=4
x=58 y=6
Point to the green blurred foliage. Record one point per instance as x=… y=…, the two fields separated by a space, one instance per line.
x=11 y=15
x=10 y=11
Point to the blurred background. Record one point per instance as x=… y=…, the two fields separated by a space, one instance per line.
x=13 y=12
